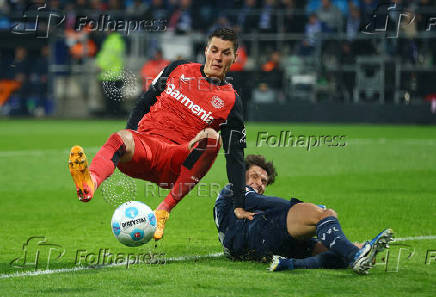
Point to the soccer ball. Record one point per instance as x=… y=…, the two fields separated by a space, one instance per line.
x=133 y=223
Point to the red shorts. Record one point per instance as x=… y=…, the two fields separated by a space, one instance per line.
x=156 y=159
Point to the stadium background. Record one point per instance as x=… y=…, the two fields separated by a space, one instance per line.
x=295 y=71
x=363 y=61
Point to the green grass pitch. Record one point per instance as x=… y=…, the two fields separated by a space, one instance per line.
x=385 y=176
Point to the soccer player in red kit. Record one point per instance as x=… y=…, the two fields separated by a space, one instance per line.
x=172 y=137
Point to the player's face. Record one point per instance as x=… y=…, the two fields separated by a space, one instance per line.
x=257 y=178
x=220 y=55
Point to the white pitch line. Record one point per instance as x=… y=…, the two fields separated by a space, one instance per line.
x=415 y=238
x=172 y=259
x=74 y=269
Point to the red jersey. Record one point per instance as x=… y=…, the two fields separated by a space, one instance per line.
x=189 y=103
x=181 y=102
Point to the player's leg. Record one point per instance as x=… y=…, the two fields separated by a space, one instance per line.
x=302 y=219
x=364 y=259
x=204 y=149
x=325 y=260
x=306 y=219
x=119 y=147
x=321 y=258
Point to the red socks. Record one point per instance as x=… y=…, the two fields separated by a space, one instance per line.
x=107 y=158
x=196 y=165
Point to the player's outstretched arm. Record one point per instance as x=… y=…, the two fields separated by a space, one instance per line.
x=257 y=201
x=233 y=135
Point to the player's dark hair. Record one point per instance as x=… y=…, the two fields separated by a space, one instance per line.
x=225 y=34
x=260 y=161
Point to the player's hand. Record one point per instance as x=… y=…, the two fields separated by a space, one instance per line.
x=241 y=213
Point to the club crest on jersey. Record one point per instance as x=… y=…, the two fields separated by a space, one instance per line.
x=217 y=102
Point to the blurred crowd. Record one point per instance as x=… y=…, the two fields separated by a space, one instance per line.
x=307 y=19
x=26 y=77
x=185 y=16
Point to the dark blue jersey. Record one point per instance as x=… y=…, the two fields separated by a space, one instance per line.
x=234 y=234
x=254 y=202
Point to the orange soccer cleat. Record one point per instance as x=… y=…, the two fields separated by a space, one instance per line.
x=161 y=217
x=78 y=166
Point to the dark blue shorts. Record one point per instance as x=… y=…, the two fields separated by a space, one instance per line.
x=267 y=235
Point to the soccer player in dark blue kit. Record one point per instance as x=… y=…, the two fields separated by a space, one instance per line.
x=284 y=230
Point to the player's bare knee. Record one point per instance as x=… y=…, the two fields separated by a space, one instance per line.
x=332 y=213
x=328 y=213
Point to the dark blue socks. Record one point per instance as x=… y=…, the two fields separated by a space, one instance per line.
x=324 y=260
x=329 y=231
